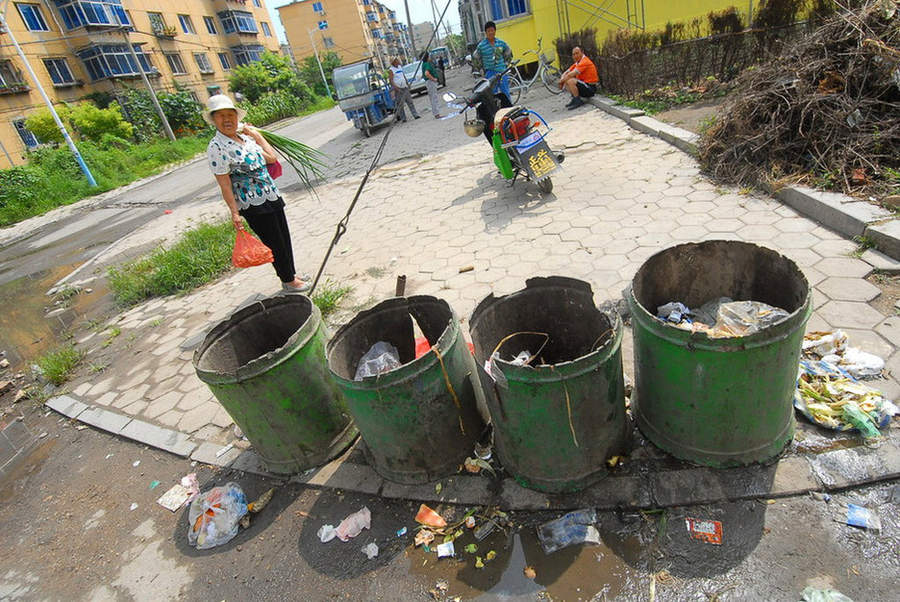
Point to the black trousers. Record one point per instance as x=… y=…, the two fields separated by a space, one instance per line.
x=272 y=229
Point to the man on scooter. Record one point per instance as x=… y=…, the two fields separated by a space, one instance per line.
x=492 y=55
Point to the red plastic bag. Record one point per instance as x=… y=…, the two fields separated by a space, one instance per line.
x=275 y=169
x=423 y=347
x=249 y=251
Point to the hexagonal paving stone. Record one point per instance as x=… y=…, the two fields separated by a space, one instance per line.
x=890 y=329
x=760 y=217
x=797 y=224
x=845 y=267
x=870 y=342
x=850 y=314
x=834 y=247
x=758 y=232
x=848 y=289
x=796 y=240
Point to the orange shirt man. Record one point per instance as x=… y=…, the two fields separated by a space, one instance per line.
x=580 y=79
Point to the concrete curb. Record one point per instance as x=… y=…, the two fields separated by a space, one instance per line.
x=838 y=212
x=646 y=484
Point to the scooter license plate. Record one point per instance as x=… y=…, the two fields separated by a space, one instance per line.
x=538 y=160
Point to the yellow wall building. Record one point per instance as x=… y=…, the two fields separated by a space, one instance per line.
x=78 y=47
x=354 y=29
x=521 y=22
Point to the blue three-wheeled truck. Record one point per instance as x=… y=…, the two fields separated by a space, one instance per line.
x=363 y=95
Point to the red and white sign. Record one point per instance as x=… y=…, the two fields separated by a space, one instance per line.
x=709 y=531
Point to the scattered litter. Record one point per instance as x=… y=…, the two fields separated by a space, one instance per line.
x=570 y=529
x=483 y=452
x=238 y=432
x=80 y=427
x=494 y=371
x=428 y=517
x=133 y=506
x=354 y=524
x=471 y=548
x=490 y=555
x=479 y=564
x=424 y=537
x=832 y=398
x=466 y=268
x=422 y=347
x=154 y=484
x=709 y=531
x=401 y=532
x=722 y=317
x=43 y=434
x=259 y=503
x=438 y=488
x=857 y=516
x=370 y=550
x=189 y=482
x=136 y=463
x=326 y=533
x=470 y=522
x=812 y=594
x=529 y=572
x=176 y=497
x=225 y=450
x=20 y=395
x=380 y=358
x=833 y=348
x=614 y=461
x=214 y=516
x=445 y=550
x=484 y=529
x=476 y=465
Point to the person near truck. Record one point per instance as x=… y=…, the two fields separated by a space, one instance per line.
x=401 y=91
x=493 y=55
x=430 y=73
x=580 y=79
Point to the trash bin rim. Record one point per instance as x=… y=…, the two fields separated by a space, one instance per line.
x=405 y=371
x=269 y=360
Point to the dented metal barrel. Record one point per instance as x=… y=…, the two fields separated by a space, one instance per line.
x=266 y=366
x=419 y=421
x=560 y=417
x=717 y=401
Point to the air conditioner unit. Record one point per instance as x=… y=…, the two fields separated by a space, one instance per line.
x=321 y=13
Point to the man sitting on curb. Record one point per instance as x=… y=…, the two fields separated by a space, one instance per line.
x=580 y=79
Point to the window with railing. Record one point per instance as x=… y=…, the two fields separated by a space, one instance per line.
x=11 y=78
x=237 y=21
x=516 y=7
x=371 y=16
x=246 y=54
x=203 y=62
x=59 y=71
x=32 y=17
x=104 y=61
x=210 y=25
x=92 y=13
x=225 y=61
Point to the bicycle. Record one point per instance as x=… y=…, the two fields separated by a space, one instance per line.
x=548 y=74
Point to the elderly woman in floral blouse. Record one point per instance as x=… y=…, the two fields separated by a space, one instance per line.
x=238 y=155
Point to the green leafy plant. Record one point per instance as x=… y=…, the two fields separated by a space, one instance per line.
x=309 y=71
x=308 y=162
x=58 y=365
x=328 y=296
x=93 y=123
x=183 y=113
x=199 y=256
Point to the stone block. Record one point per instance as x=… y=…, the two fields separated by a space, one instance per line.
x=835 y=211
x=158 y=437
x=18 y=435
x=886 y=237
x=849 y=467
x=104 y=420
x=881 y=262
x=472 y=490
x=679 y=137
x=206 y=454
x=66 y=405
x=645 y=124
x=515 y=497
x=611 y=493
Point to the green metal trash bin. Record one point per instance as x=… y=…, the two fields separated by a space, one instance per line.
x=558 y=420
x=266 y=366
x=717 y=401
x=419 y=421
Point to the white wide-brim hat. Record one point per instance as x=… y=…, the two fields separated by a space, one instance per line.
x=217 y=102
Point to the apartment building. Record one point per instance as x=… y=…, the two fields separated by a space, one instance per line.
x=354 y=29
x=80 y=47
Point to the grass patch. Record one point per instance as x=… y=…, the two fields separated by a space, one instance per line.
x=328 y=297
x=59 y=364
x=200 y=256
x=52 y=178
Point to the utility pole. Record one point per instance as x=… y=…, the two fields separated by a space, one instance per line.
x=84 y=168
x=409 y=23
x=159 y=111
x=316 y=52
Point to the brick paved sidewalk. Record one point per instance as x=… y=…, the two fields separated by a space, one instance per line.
x=621 y=197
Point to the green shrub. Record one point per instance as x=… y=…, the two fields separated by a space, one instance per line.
x=273 y=106
x=42 y=124
x=59 y=364
x=198 y=257
x=93 y=123
x=182 y=111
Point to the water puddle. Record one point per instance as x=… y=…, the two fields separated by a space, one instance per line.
x=27 y=329
x=581 y=572
x=24 y=469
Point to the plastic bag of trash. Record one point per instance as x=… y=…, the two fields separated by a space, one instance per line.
x=812 y=594
x=354 y=524
x=570 y=529
x=380 y=358
x=674 y=312
x=822 y=343
x=743 y=318
x=857 y=363
x=709 y=311
x=214 y=516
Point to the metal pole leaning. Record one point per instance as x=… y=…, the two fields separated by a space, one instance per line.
x=318 y=62
x=62 y=128
x=162 y=115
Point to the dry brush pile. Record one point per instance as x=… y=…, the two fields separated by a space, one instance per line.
x=827 y=110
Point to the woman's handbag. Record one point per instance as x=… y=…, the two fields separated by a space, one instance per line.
x=275 y=169
x=249 y=251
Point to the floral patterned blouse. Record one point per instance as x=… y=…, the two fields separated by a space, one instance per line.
x=244 y=162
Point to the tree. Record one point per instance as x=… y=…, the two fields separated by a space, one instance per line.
x=271 y=73
x=84 y=119
x=309 y=71
x=457 y=44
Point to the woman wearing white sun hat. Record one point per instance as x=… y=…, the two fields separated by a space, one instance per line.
x=238 y=155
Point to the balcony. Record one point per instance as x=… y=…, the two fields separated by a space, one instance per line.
x=14 y=88
x=165 y=33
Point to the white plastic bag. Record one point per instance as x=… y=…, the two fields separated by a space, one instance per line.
x=354 y=524
x=380 y=358
x=743 y=318
x=857 y=363
x=214 y=516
